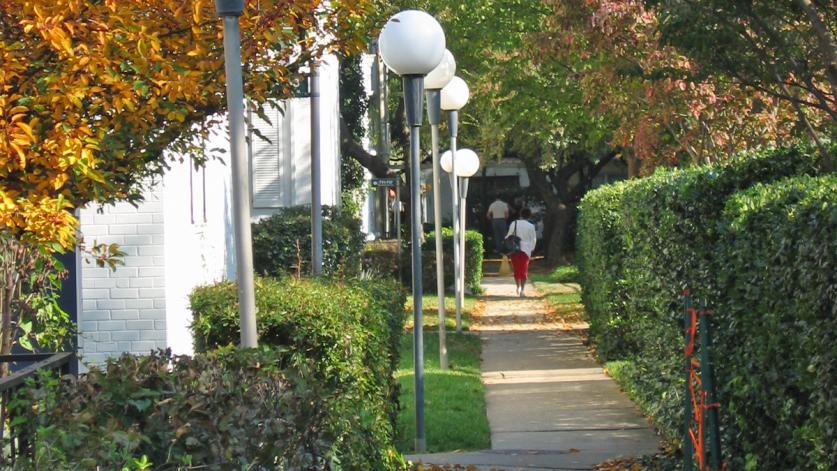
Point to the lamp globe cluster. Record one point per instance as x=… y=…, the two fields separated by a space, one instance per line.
x=412 y=44
x=467 y=162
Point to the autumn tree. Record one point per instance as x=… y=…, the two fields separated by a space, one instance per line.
x=667 y=108
x=93 y=92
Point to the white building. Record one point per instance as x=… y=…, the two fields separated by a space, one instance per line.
x=181 y=235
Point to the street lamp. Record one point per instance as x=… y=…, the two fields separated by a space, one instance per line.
x=454 y=96
x=230 y=10
x=433 y=84
x=467 y=163
x=412 y=44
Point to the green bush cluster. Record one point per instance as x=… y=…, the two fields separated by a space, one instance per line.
x=380 y=257
x=226 y=410
x=348 y=330
x=753 y=236
x=474 y=250
x=282 y=242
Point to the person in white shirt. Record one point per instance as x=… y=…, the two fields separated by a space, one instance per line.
x=498 y=214
x=528 y=238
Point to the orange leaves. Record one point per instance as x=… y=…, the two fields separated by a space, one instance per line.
x=92 y=92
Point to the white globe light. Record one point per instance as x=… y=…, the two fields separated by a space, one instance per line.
x=412 y=43
x=455 y=94
x=441 y=75
x=467 y=162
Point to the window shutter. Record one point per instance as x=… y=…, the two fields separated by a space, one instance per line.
x=265 y=159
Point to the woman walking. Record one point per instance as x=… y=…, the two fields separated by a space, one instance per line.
x=525 y=230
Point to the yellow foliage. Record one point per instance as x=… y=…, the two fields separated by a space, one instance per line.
x=91 y=93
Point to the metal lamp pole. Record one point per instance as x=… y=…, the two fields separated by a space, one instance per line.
x=316 y=191
x=412 y=44
x=454 y=96
x=433 y=83
x=453 y=128
x=230 y=10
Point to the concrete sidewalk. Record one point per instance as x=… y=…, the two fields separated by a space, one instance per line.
x=550 y=405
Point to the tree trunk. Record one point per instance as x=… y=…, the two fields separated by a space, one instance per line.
x=633 y=166
x=558 y=250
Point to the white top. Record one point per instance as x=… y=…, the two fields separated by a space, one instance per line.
x=498 y=210
x=526 y=232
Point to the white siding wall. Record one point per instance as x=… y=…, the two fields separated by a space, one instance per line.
x=124 y=310
x=182 y=235
x=281 y=168
x=199 y=239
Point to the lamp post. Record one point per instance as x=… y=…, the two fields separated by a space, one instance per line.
x=316 y=179
x=466 y=164
x=412 y=44
x=230 y=10
x=433 y=84
x=454 y=96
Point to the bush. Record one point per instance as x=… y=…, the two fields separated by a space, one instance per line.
x=642 y=242
x=283 y=240
x=348 y=331
x=473 y=259
x=777 y=305
x=380 y=257
x=223 y=410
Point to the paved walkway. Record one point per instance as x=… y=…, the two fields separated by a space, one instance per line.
x=550 y=405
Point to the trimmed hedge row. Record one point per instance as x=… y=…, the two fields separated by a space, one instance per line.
x=233 y=409
x=282 y=242
x=348 y=331
x=763 y=257
x=473 y=259
x=380 y=257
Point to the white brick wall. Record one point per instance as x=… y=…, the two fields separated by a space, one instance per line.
x=124 y=310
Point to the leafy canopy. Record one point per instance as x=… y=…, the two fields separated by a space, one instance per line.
x=93 y=92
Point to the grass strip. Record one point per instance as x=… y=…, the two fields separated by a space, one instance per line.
x=560 y=274
x=430 y=306
x=455 y=417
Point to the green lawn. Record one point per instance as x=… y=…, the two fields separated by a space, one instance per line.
x=562 y=292
x=561 y=274
x=454 y=407
x=429 y=308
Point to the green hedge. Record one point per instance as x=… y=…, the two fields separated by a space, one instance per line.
x=349 y=331
x=642 y=242
x=236 y=409
x=283 y=240
x=473 y=259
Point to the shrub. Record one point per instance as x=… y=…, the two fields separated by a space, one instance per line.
x=223 y=410
x=473 y=259
x=380 y=257
x=348 y=330
x=642 y=242
x=283 y=240
x=777 y=308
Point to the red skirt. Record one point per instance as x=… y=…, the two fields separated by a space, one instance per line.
x=520 y=264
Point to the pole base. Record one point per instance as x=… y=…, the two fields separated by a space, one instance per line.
x=420 y=445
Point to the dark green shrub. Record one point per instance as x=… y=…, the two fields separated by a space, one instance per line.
x=226 y=410
x=473 y=259
x=283 y=240
x=642 y=242
x=380 y=257
x=348 y=330
x=777 y=318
